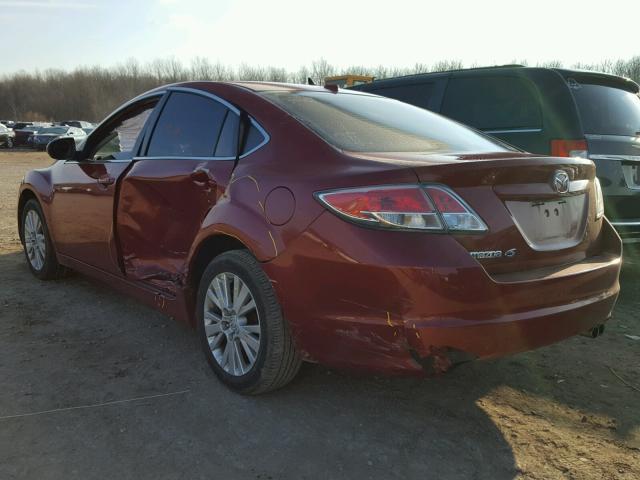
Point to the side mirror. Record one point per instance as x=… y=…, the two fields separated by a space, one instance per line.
x=63 y=148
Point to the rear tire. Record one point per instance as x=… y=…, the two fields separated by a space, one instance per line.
x=9 y=142
x=38 y=248
x=243 y=334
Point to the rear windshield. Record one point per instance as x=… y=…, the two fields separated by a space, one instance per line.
x=367 y=123
x=607 y=110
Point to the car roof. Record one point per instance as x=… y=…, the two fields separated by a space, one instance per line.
x=261 y=86
x=603 y=77
x=254 y=86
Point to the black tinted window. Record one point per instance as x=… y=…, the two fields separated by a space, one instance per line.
x=418 y=95
x=492 y=103
x=227 y=143
x=367 y=123
x=189 y=126
x=254 y=138
x=607 y=110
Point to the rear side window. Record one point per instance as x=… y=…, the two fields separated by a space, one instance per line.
x=493 y=103
x=607 y=110
x=418 y=95
x=253 y=140
x=189 y=126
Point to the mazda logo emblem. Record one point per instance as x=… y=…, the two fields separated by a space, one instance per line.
x=560 y=182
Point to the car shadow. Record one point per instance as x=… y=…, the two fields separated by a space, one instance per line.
x=75 y=342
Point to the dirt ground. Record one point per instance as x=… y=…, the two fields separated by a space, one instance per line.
x=95 y=385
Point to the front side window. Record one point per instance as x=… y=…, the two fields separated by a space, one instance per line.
x=120 y=141
x=493 y=103
x=368 y=123
x=189 y=126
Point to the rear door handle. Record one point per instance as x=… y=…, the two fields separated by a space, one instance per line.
x=106 y=180
x=202 y=175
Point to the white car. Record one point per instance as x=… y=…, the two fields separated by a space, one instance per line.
x=41 y=139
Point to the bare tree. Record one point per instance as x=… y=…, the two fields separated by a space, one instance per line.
x=321 y=69
x=301 y=75
x=201 y=69
x=90 y=93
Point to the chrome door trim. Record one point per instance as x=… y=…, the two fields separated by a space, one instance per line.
x=631 y=158
x=625 y=224
x=514 y=130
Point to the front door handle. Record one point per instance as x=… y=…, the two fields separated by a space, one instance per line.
x=106 y=180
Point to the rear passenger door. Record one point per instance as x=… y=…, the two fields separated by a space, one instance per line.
x=505 y=106
x=184 y=168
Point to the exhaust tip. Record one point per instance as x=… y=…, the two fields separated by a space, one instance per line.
x=594 y=332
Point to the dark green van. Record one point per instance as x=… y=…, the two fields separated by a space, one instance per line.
x=545 y=110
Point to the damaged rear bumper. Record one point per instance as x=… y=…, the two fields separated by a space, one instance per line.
x=416 y=306
x=438 y=346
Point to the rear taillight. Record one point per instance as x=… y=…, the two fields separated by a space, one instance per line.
x=457 y=215
x=599 y=199
x=569 y=148
x=412 y=207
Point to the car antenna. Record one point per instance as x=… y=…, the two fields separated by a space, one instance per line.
x=310 y=81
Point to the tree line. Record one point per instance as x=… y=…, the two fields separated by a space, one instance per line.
x=90 y=93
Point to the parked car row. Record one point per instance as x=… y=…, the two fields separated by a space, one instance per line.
x=7 y=136
x=559 y=112
x=39 y=134
x=40 y=139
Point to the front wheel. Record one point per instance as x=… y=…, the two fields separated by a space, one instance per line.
x=244 y=336
x=38 y=248
x=9 y=142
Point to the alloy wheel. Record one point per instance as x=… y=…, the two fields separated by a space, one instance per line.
x=232 y=324
x=34 y=240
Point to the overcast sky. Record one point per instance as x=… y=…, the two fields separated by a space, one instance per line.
x=285 y=33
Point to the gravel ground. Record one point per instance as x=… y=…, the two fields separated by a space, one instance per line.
x=95 y=385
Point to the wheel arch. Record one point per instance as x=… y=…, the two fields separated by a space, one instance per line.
x=206 y=250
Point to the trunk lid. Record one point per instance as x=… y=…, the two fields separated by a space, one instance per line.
x=532 y=224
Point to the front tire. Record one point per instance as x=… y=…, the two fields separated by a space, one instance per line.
x=38 y=248
x=243 y=334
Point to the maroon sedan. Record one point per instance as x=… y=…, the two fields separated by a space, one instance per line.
x=291 y=223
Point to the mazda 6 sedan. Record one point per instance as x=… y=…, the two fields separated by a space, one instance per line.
x=289 y=223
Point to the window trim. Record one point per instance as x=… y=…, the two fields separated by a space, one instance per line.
x=142 y=154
